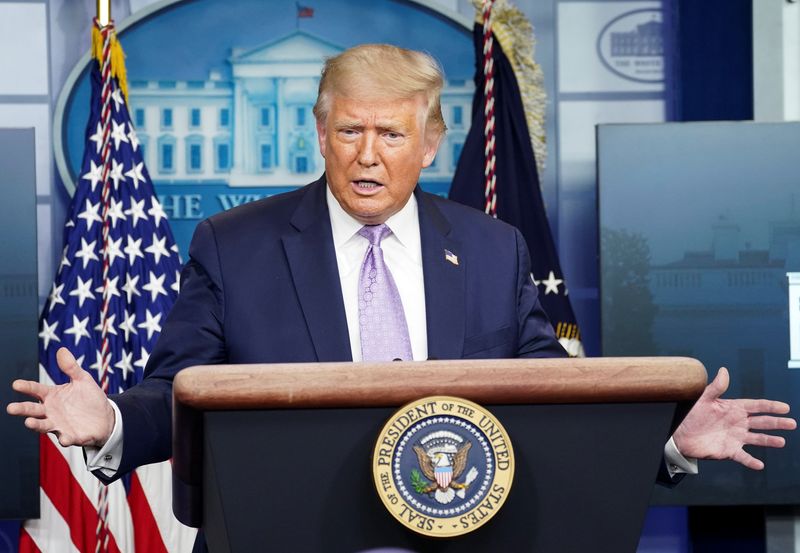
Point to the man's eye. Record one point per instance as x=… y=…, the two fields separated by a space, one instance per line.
x=393 y=135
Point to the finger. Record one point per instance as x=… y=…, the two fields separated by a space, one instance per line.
x=26 y=409
x=764 y=440
x=764 y=406
x=67 y=363
x=718 y=386
x=31 y=388
x=39 y=425
x=747 y=460
x=771 y=423
x=64 y=439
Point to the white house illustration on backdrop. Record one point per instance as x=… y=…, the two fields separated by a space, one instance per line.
x=259 y=129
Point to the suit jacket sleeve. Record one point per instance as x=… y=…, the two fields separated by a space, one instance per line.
x=536 y=335
x=192 y=335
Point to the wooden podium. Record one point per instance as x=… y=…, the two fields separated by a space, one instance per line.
x=278 y=457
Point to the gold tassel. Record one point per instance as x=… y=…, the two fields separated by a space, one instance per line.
x=97 y=44
x=515 y=34
x=117 y=60
x=118 y=66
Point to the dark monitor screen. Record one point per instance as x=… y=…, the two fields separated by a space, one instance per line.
x=700 y=257
x=19 y=462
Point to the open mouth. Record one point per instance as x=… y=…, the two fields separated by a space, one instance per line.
x=366 y=185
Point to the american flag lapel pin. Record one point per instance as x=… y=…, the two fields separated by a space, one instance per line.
x=451 y=257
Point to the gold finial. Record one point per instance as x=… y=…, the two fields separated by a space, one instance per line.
x=103 y=12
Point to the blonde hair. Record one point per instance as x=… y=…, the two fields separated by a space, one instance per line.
x=384 y=70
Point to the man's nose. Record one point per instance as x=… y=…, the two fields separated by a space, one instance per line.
x=367 y=154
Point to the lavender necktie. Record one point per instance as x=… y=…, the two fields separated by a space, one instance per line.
x=384 y=332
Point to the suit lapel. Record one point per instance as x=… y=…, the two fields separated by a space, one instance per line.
x=312 y=261
x=444 y=282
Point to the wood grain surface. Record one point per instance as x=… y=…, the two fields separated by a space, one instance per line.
x=487 y=382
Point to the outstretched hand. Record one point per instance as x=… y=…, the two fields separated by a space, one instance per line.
x=717 y=428
x=77 y=413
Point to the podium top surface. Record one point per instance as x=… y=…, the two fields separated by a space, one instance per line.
x=487 y=382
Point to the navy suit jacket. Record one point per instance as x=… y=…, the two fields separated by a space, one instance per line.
x=262 y=286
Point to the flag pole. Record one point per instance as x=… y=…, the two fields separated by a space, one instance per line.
x=103 y=12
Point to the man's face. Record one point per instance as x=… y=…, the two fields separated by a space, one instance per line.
x=374 y=151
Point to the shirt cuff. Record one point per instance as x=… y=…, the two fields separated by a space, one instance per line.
x=106 y=459
x=676 y=462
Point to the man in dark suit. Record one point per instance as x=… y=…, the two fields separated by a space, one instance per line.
x=227 y=315
x=360 y=265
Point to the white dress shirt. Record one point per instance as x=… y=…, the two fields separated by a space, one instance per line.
x=402 y=252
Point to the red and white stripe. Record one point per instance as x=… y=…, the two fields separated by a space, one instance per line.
x=140 y=521
x=490 y=188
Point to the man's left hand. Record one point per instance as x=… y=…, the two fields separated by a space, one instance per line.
x=718 y=428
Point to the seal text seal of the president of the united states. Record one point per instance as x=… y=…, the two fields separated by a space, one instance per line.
x=443 y=466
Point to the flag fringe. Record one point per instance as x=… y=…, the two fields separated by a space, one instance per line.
x=117 y=58
x=515 y=34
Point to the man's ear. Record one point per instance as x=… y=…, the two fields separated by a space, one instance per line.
x=321 y=134
x=432 y=141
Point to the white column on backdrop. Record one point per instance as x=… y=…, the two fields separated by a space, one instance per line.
x=776 y=60
x=776 y=97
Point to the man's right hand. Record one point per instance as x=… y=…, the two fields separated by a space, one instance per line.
x=78 y=413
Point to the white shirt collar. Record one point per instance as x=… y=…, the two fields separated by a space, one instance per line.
x=404 y=224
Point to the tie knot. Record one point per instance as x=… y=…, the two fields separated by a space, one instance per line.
x=375 y=233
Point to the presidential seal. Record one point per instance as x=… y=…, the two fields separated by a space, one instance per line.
x=443 y=466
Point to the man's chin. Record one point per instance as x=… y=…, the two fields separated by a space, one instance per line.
x=370 y=219
x=368 y=215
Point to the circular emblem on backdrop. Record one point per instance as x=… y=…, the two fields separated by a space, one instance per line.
x=443 y=466
x=632 y=46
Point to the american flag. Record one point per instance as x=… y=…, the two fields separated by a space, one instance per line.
x=498 y=171
x=304 y=11
x=118 y=278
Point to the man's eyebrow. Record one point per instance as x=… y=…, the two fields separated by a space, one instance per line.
x=347 y=124
x=382 y=126
x=391 y=126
